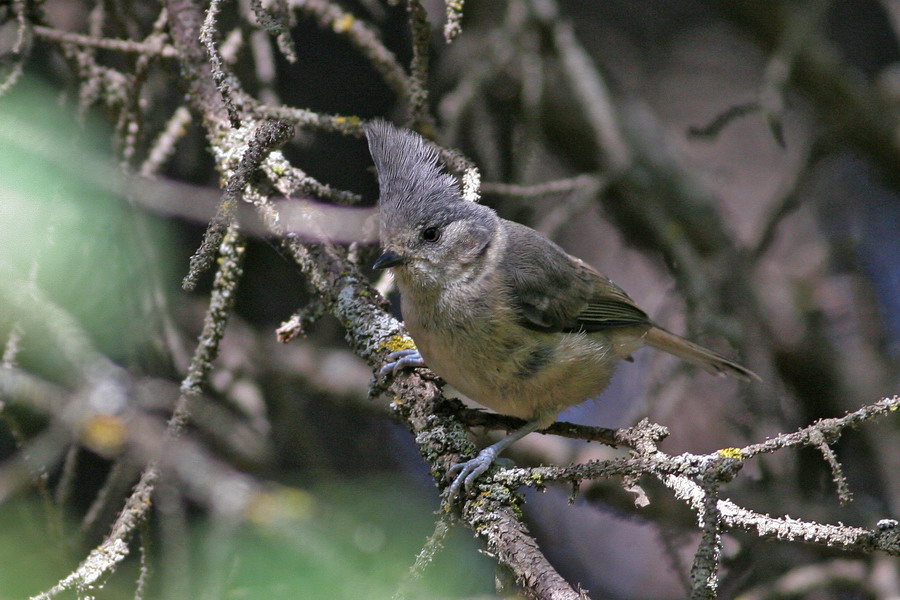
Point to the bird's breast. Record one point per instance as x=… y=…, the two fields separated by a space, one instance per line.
x=485 y=354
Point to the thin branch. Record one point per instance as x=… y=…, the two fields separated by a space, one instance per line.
x=829 y=429
x=21 y=47
x=433 y=545
x=850 y=108
x=497 y=53
x=269 y=136
x=705 y=569
x=418 y=89
x=115 y=486
x=712 y=129
x=144 y=569
x=359 y=33
x=276 y=20
x=146 y=48
x=164 y=146
x=588 y=87
x=66 y=483
x=300 y=321
x=114 y=547
x=494 y=421
x=837 y=472
x=208 y=36
x=680 y=472
x=308 y=119
x=843 y=537
x=548 y=188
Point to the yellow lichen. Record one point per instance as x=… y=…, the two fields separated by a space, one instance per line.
x=350 y=120
x=344 y=24
x=731 y=453
x=397 y=342
x=104 y=434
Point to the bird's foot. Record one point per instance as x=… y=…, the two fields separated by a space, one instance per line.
x=467 y=472
x=399 y=360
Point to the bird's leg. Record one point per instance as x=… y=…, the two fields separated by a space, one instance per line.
x=399 y=360
x=467 y=472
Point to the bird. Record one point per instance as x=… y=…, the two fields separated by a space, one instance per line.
x=499 y=311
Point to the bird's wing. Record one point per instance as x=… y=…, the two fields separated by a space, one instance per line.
x=555 y=292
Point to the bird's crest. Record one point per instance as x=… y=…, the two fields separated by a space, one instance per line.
x=410 y=177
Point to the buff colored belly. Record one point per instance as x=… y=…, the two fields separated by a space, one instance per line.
x=502 y=373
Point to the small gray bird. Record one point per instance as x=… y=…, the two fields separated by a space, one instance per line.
x=503 y=314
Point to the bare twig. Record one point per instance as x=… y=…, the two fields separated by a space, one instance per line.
x=363 y=37
x=164 y=146
x=300 y=321
x=837 y=472
x=704 y=571
x=114 y=547
x=208 y=36
x=453 y=25
x=307 y=119
x=146 y=48
x=21 y=47
x=559 y=186
x=433 y=545
x=269 y=136
x=276 y=20
x=418 y=92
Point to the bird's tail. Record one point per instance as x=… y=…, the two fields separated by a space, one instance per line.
x=688 y=351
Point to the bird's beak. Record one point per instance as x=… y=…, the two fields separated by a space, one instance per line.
x=389 y=259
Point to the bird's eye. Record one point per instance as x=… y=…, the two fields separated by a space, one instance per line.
x=431 y=234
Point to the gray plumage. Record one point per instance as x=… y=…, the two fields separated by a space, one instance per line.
x=499 y=311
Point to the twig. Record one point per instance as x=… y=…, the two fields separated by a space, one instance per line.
x=453 y=25
x=418 y=89
x=829 y=429
x=21 y=47
x=363 y=37
x=301 y=320
x=588 y=87
x=548 y=188
x=837 y=473
x=680 y=472
x=67 y=477
x=434 y=544
x=146 y=48
x=850 y=107
x=276 y=21
x=208 y=37
x=144 y=569
x=120 y=476
x=479 y=418
x=164 y=146
x=712 y=129
x=705 y=569
x=130 y=123
x=269 y=136
x=785 y=528
x=114 y=547
x=308 y=119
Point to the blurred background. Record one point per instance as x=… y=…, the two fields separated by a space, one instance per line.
x=734 y=166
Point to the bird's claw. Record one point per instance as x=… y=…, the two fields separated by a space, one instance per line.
x=399 y=360
x=467 y=472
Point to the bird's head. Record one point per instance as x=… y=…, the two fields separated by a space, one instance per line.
x=430 y=235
